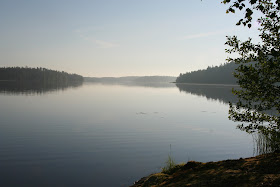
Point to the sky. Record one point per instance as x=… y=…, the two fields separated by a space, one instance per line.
x=104 y=38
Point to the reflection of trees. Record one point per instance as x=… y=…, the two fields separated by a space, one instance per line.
x=14 y=80
x=266 y=136
x=222 y=93
x=33 y=87
x=266 y=141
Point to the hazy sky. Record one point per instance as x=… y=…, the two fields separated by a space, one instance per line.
x=116 y=37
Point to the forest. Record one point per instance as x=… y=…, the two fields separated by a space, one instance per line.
x=39 y=75
x=222 y=74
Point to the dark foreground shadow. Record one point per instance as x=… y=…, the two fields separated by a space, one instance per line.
x=262 y=170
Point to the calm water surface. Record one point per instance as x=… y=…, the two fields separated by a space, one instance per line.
x=111 y=135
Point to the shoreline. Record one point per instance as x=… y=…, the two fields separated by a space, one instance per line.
x=207 y=84
x=261 y=170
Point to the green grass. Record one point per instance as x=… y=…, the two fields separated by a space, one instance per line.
x=169 y=165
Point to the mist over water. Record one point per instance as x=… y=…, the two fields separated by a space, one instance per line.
x=112 y=135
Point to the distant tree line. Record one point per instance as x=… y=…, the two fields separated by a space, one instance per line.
x=222 y=74
x=135 y=79
x=42 y=75
x=155 y=79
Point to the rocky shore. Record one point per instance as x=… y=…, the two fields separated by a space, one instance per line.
x=262 y=170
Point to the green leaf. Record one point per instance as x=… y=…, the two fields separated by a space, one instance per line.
x=249 y=12
x=273 y=15
x=231 y=10
x=261 y=7
x=253 y=1
x=236 y=5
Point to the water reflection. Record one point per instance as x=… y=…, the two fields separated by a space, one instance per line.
x=33 y=87
x=266 y=141
x=84 y=136
x=266 y=137
x=222 y=93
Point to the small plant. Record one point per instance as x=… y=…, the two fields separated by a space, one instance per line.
x=169 y=165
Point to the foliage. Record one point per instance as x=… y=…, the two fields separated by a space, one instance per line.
x=258 y=73
x=269 y=8
x=222 y=74
x=41 y=75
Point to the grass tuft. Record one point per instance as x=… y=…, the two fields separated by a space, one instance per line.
x=170 y=165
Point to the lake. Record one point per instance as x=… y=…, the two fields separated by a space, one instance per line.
x=112 y=135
